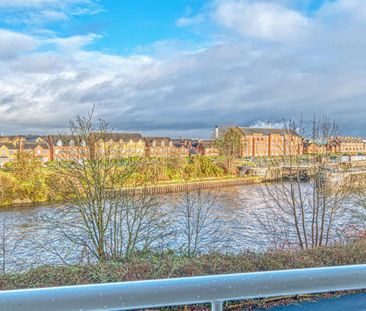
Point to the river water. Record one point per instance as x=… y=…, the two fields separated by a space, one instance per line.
x=238 y=211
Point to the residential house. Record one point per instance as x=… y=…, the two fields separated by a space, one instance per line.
x=16 y=139
x=181 y=149
x=161 y=147
x=8 y=153
x=65 y=147
x=208 y=148
x=316 y=147
x=348 y=145
x=38 y=150
x=190 y=144
x=119 y=145
x=123 y=145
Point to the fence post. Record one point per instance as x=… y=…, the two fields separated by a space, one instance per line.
x=217 y=306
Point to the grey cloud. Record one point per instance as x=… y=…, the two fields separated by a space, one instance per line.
x=228 y=82
x=13 y=44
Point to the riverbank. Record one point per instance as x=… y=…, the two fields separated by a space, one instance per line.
x=174 y=187
x=169 y=265
x=164 y=188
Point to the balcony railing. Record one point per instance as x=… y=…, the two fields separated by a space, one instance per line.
x=215 y=290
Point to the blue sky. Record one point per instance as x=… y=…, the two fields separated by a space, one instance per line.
x=127 y=25
x=122 y=24
x=178 y=67
x=141 y=23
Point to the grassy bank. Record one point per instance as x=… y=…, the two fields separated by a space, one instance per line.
x=170 y=265
x=27 y=180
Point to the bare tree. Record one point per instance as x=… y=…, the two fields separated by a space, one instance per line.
x=8 y=243
x=100 y=220
x=198 y=228
x=304 y=203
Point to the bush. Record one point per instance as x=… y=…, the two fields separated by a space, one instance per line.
x=167 y=265
x=7 y=187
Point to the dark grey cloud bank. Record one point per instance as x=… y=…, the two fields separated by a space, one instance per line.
x=264 y=61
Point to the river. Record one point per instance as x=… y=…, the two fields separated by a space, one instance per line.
x=238 y=211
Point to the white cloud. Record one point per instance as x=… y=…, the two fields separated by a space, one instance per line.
x=190 y=21
x=13 y=43
x=53 y=15
x=25 y=3
x=265 y=20
x=74 y=42
x=35 y=12
x=268 y=124
x=42 y=3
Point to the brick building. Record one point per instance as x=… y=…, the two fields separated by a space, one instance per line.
x=118 y=145
x=208 y=148
x=64 y=147
x=164 y=147
x=39 y=150
x=316 y=147
x=181 y=149
x=189 y=143
x=348 y=145
x=264 y=142
x=123 y=145
x=8 y=153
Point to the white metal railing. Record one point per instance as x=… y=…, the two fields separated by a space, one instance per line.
x=214 y=289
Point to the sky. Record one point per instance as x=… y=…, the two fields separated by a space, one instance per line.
x=180 y=67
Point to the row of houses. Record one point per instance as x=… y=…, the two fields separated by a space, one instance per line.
x=266 y=142
x=337 y=145
x=254 y=142
x=63 y=147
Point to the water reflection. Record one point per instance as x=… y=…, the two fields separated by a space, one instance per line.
x=237 y=209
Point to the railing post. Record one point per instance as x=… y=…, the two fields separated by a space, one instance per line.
x=217 y=306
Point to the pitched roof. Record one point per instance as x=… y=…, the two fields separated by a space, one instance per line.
x=251 y=130
x=263 y=131
x=126 y=137
x=179 y=145
x=151 y=139
x=9 y=146
x=319 y=142
x=27 y=137
x=31 y=137
x=348 y=139
x=64 y=138
x=32 y=145
x=116 y=137
x=208 y=143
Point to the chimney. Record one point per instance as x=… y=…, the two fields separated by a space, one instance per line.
x=216 y=131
